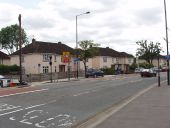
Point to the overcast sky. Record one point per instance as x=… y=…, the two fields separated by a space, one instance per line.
x=117 y=24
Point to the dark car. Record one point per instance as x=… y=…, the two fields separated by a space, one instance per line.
x=148 y=73
x=94 y=73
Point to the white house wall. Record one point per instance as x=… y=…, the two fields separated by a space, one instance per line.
x=32 y=61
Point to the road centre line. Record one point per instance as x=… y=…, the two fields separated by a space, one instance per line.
x=21 y=109
x=23 y=93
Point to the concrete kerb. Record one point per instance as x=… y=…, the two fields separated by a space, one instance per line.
x=73 y=79
x=55 y=81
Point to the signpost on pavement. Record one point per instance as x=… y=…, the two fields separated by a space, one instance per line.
x=66 y=58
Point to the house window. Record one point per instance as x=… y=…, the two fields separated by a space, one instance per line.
x=104 y=59
x=117 y=60
x=61 y=59
x=45 y=69
x=129 y=60
x=55 y=57
x=1 y=61
x=46 y=57
x=55 y=69
x=87 y=60
x=112 y=60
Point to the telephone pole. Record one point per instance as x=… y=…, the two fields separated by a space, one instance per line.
x=20 y=48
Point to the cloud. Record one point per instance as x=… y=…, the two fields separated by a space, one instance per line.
x=117 y=23
x=148 y=16
x=9 y=14
x=39 y=22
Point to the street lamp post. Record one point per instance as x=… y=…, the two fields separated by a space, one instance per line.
x=166 y=27
x=77 y=41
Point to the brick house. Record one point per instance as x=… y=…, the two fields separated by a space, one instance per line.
x=36 y=56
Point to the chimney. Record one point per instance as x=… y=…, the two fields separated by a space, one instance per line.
x=107 y=47
x=59 y=42
x=33 y=40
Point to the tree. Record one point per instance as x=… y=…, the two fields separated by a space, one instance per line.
x=88 y=50
x=9 y=38
x=148 y=50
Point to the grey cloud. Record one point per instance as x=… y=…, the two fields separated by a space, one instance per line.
x=148 y=16
x=39 y=22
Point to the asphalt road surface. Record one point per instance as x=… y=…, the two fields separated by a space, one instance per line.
x=66 y=104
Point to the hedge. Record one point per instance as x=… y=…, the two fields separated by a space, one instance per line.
x=5 y=69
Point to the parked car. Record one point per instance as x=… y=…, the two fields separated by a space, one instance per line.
x=148 y=73
x=94 y=73
x=156 y=69
x=138 y=70
x=164 y=69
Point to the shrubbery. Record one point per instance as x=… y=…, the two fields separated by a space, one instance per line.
x=146 y=65
x=5 y=69
x=108 y=71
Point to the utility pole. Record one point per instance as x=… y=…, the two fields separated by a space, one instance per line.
x=166 y=28
x=20 y=48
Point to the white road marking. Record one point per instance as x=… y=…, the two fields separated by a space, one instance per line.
x=133 y=81
x=7 y=113
x=11 y=112
x=23 y=93
x=5 y=107
x=78 y=94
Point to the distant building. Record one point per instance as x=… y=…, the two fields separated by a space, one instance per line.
x=4 y=59
x=162 y=61
x=109 y=58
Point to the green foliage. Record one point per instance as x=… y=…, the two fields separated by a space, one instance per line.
x=5 y=69
x=148 y=50
x=88 y=50
x=108 y=71
x=133 y=67
x=9 y=38
x=145 y=65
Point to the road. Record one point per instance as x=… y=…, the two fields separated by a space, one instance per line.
x=66 y=104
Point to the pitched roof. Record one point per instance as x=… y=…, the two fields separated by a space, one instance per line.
x=108 y=52
x=124 y=54
x=45 y=47
x=4 y=56
x=113 y=53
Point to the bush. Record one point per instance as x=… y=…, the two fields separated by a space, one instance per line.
x=146 y=65
x=5 y=69
x=133 y=67
x=108 y=71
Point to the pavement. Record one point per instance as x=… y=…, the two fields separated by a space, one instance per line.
x=150 y=110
